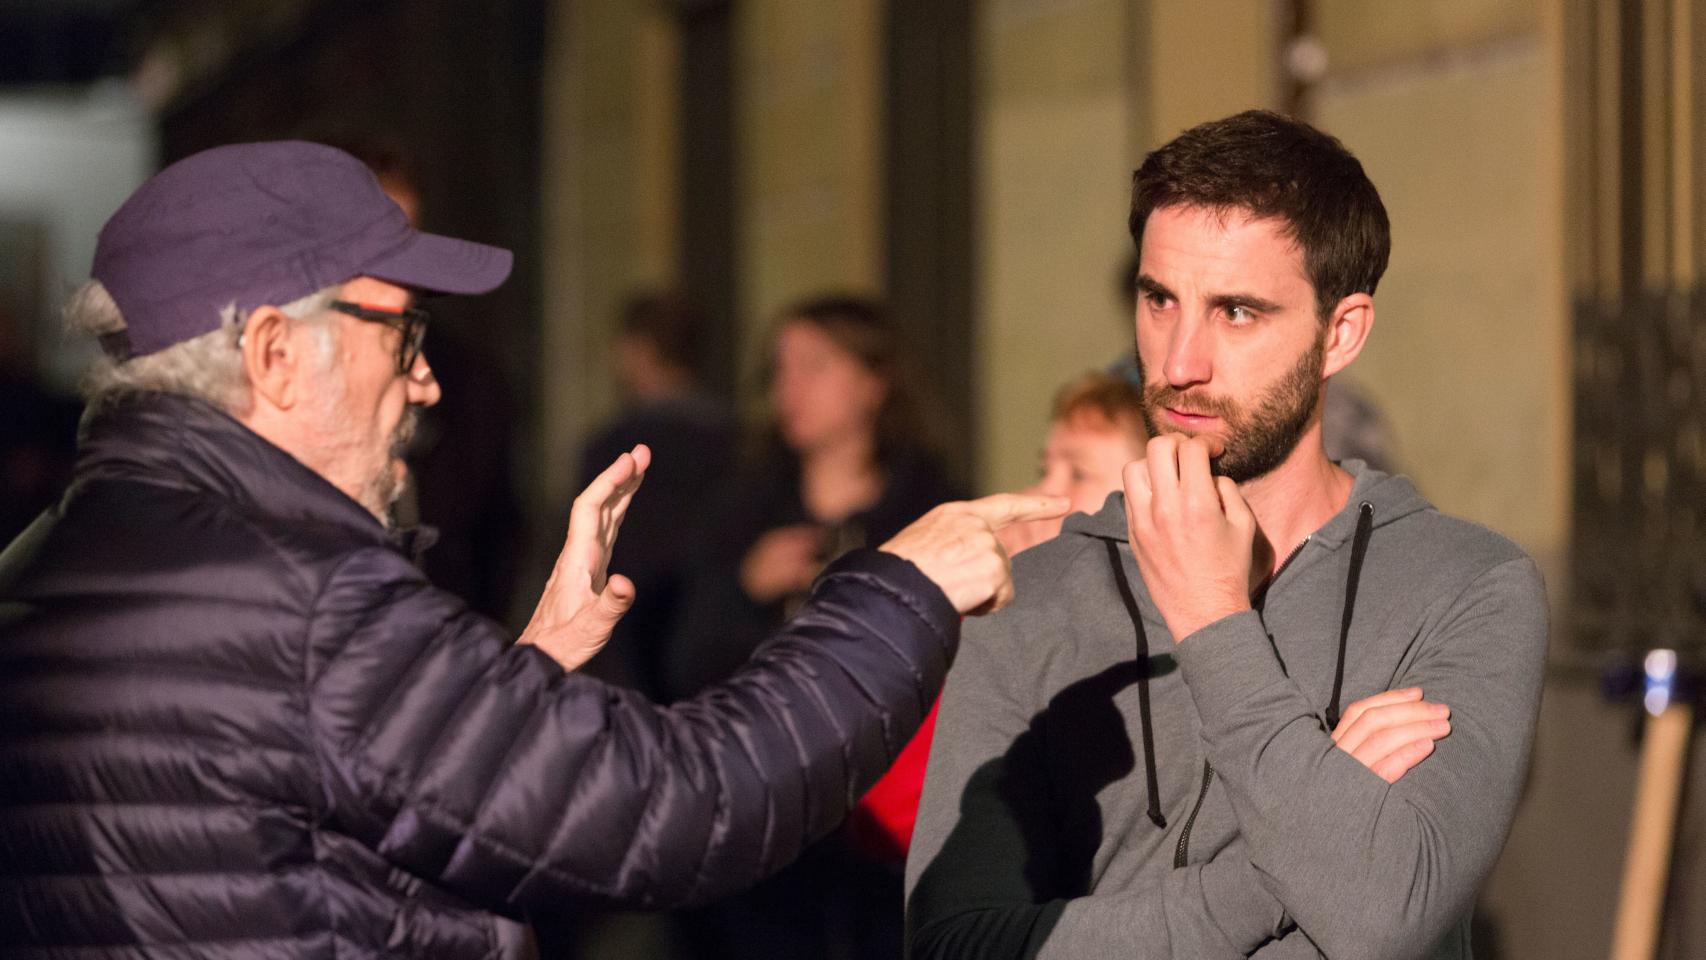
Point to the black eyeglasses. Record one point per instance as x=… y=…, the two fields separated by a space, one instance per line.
x=411 y=322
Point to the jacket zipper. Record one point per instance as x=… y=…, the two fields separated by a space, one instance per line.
x=1183 y=849
x=1260 y=599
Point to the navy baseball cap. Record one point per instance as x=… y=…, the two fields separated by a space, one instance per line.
x=253 y=224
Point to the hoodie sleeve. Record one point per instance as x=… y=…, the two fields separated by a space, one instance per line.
x=1368 y=869
x=484 y=768
x=983 y=879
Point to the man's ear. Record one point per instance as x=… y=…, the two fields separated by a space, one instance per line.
x=1347 y=331
x=271 y=357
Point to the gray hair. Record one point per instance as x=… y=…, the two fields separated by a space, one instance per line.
x=208 y=367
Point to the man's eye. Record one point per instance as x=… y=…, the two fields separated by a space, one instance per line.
x=1156 y=301
x=1239 y=315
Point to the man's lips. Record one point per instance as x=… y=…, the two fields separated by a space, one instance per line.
x=1185 y=418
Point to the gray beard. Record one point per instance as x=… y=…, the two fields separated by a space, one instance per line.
x=382 y=490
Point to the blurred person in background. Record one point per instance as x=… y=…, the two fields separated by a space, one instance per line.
x=38 y=433
x=240 y=722
x=693 y=439
x=846 y=459
x=1096 y=429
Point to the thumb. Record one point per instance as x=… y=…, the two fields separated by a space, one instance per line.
x=599 y=617
x=1000 y=509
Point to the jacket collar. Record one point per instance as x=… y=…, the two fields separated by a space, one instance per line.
x=183 y=442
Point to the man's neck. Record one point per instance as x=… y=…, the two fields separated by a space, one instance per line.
x=1295 y=499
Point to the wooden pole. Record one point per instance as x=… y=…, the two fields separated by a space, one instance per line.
x=1640 y=909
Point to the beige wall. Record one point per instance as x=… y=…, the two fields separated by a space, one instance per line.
x=1470 y=355
x=808 y=93
x=611 y=198
x=1052 y=184
x=1205 y=59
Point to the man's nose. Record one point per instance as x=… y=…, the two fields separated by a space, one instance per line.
x=1190 y=354
x=423 y=387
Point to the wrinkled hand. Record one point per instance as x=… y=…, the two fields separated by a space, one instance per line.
x=1192 y=533
x=956 y=546
x=1391 y=732
x=782 y=562
x=581 y=604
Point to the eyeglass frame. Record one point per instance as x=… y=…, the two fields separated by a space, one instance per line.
x=411 y=322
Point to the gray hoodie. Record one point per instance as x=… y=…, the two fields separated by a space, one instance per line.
x=1095 y=790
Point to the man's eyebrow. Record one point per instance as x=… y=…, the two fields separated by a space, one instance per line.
x=1148 y=284
x=1248 y=301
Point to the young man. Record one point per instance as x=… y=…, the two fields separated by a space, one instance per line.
x=1146 y=757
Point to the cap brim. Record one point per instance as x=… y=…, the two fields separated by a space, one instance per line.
x=443 y=265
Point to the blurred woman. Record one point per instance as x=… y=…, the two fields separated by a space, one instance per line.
x=845 y=460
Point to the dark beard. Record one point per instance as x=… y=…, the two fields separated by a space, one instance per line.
x=1256 y=441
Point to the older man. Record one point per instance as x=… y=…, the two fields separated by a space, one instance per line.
x=238 y=722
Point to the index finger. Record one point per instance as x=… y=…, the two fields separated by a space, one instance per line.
x=623 y=470
x=1194 y=455
x=1000 y=509
x=615 y=486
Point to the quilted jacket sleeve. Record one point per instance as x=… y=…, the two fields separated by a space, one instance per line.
x=483 y=767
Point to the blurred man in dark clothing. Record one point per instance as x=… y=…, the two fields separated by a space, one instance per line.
x=693 y=437
x=38 y=435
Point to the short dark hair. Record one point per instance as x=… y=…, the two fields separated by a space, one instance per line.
x=1273 y=166
x=670 y=323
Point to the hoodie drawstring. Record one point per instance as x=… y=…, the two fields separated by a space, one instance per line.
x=1154 y=780
x=1359 y=547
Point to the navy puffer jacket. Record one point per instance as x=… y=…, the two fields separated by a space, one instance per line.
x=236 y=722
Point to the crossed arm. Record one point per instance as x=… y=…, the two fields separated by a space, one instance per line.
x=1338 y=834
x=1366 y=866
x=982 y=878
